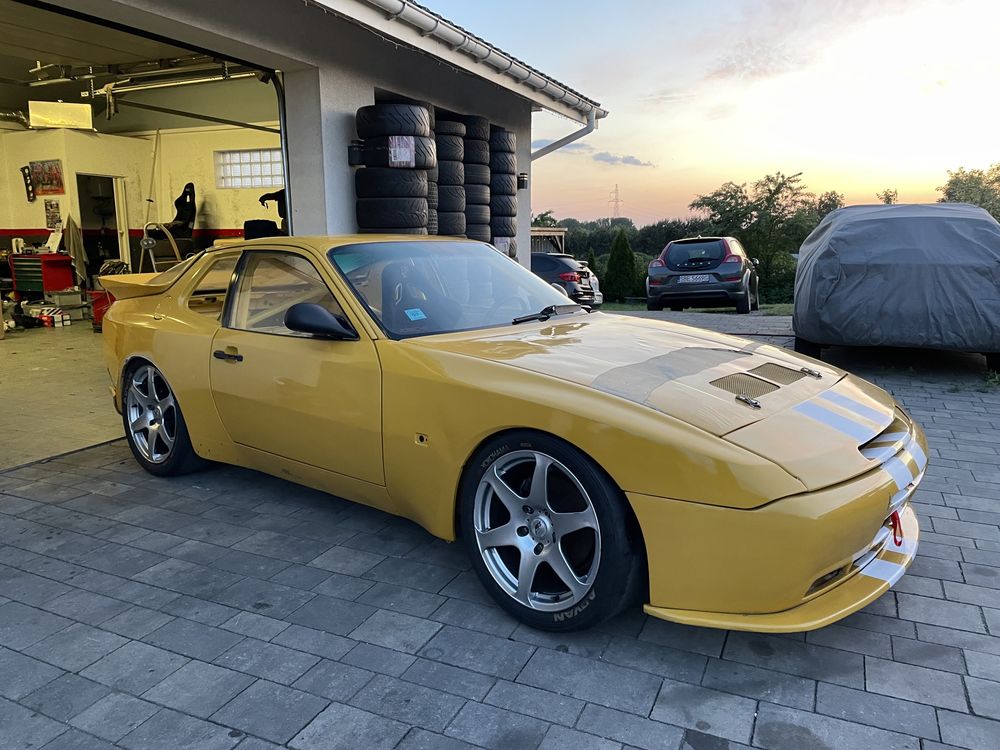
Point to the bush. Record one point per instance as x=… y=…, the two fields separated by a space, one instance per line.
x=619 y=282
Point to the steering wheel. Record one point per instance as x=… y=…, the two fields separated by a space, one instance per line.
x=517 y=304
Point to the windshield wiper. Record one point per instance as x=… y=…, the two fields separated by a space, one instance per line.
x=544 y=314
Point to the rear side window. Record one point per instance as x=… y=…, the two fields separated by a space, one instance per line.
x=209 y=297
x=694 y=254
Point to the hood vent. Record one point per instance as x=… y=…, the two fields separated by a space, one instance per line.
x=777 y=373
x=743 y=384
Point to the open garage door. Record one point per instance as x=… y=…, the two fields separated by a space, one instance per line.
x=109 y=132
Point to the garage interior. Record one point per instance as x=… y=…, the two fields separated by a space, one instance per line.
x=119 y=132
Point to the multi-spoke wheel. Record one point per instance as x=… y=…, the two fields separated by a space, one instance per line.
x=548 y=533
x=154 y=426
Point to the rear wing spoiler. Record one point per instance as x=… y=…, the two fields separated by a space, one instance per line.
x=129 y=285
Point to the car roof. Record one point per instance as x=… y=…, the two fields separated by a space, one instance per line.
x=697 y=239
x=324 y=242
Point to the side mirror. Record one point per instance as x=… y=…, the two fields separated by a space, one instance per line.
x=560 y=289
x=755 y=261
x=308 y=317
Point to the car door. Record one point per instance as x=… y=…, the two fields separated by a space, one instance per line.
x=309 y=399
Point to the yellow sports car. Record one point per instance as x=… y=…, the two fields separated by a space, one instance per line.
x=585 y=461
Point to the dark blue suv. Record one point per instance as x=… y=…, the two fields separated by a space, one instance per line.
x=703 y=272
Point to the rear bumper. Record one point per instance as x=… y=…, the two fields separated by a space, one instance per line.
x=861 y=589
x=715 y=291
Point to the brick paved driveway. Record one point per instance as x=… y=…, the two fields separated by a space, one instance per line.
x=231 y=609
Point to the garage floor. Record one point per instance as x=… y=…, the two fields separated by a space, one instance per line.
x=53 y=387
x=228 y=608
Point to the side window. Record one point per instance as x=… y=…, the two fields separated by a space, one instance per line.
x=209 y=297
x=270 y=283
x=737 y=249
x=541 y=262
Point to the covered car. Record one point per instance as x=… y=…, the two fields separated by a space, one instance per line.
x=925 y=276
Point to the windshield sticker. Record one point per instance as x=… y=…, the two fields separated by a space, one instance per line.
x=415 y=313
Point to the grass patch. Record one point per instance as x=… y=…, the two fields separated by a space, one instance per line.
x=992 y=379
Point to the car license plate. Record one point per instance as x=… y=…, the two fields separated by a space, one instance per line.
x=696 y=278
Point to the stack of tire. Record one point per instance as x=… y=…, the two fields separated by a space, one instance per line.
x=477 y=178
x=503 y=190
x=449 y=137
x=392 y=187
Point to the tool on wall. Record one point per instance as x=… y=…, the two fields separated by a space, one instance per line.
x=29 y=184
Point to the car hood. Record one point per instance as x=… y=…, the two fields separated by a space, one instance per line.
x=799 y=416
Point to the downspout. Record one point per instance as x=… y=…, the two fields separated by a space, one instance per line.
x=590 y=127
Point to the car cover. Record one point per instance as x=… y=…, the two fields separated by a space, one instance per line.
x=925 y=275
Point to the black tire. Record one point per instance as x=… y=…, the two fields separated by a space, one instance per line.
x=621 y=567
x=450 y=147
x=503 y=226
x=393 y=119
x=392 y=212
x=383 y=182
x=503 y=205
x=451 y=223
x=392 y=230
x=477 y=174
x=449 y=127
x=433 y=195
x=182 y=458
x=376 y=152
x=743 y=304
x=654 y=305
x=503 y=163
x=503 y=184
x=478 y=195
x=502 y=140
x=476 y=152
x=479 y=232
x=477 y=128
x=451 y=198
x=432 y=222
x=808 y=348
x=477 y=213
x=755 y=302
x=432 y=174
x=450 y=173
x=677 y=308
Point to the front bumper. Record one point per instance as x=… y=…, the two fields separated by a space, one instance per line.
x=794 y=564
x=862 y=588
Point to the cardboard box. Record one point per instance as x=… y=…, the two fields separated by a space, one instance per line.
x=67 y=298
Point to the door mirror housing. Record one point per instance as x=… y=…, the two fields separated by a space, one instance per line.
x=755 y=261
x=308 y=317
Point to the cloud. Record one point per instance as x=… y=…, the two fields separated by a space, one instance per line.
x=627 y=159
x=668 y=96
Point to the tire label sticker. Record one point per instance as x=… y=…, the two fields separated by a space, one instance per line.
x=402 y=151
x=415 y=313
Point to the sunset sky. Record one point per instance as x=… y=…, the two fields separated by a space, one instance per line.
x=858 y=95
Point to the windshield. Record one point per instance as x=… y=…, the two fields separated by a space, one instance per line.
x=424 y=287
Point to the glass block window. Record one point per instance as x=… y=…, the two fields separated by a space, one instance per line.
x=253 y=168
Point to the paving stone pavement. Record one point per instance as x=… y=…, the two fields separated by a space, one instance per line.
x=229 y=609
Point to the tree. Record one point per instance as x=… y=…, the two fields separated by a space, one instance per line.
x=829 y=202
x=619 y=281
x=591 y=260
x=889 y=196
x=976 y=186
x=544 y=219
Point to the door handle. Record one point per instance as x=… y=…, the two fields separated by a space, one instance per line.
x=219 y=354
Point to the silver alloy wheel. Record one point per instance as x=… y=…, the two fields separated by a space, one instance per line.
x=151 y=413
x=545 y=555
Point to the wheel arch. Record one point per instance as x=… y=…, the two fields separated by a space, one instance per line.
x=634 y=530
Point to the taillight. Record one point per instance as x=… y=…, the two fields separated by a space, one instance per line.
x=657 y=264
x=570 y=276
x=731 y=259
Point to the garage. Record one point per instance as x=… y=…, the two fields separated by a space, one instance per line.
x=133 y=135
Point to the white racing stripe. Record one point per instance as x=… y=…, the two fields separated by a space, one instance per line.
x=899 y=471
x=906 y=547
x=914 y=449
x=883 y=570
x=855 y=430
x=856 y=406
x=879 y=454
x=888 y=437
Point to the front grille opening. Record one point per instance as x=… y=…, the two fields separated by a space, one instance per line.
x=826 y=580
x=777 y=373
x=887 y=443
x=743 y=384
